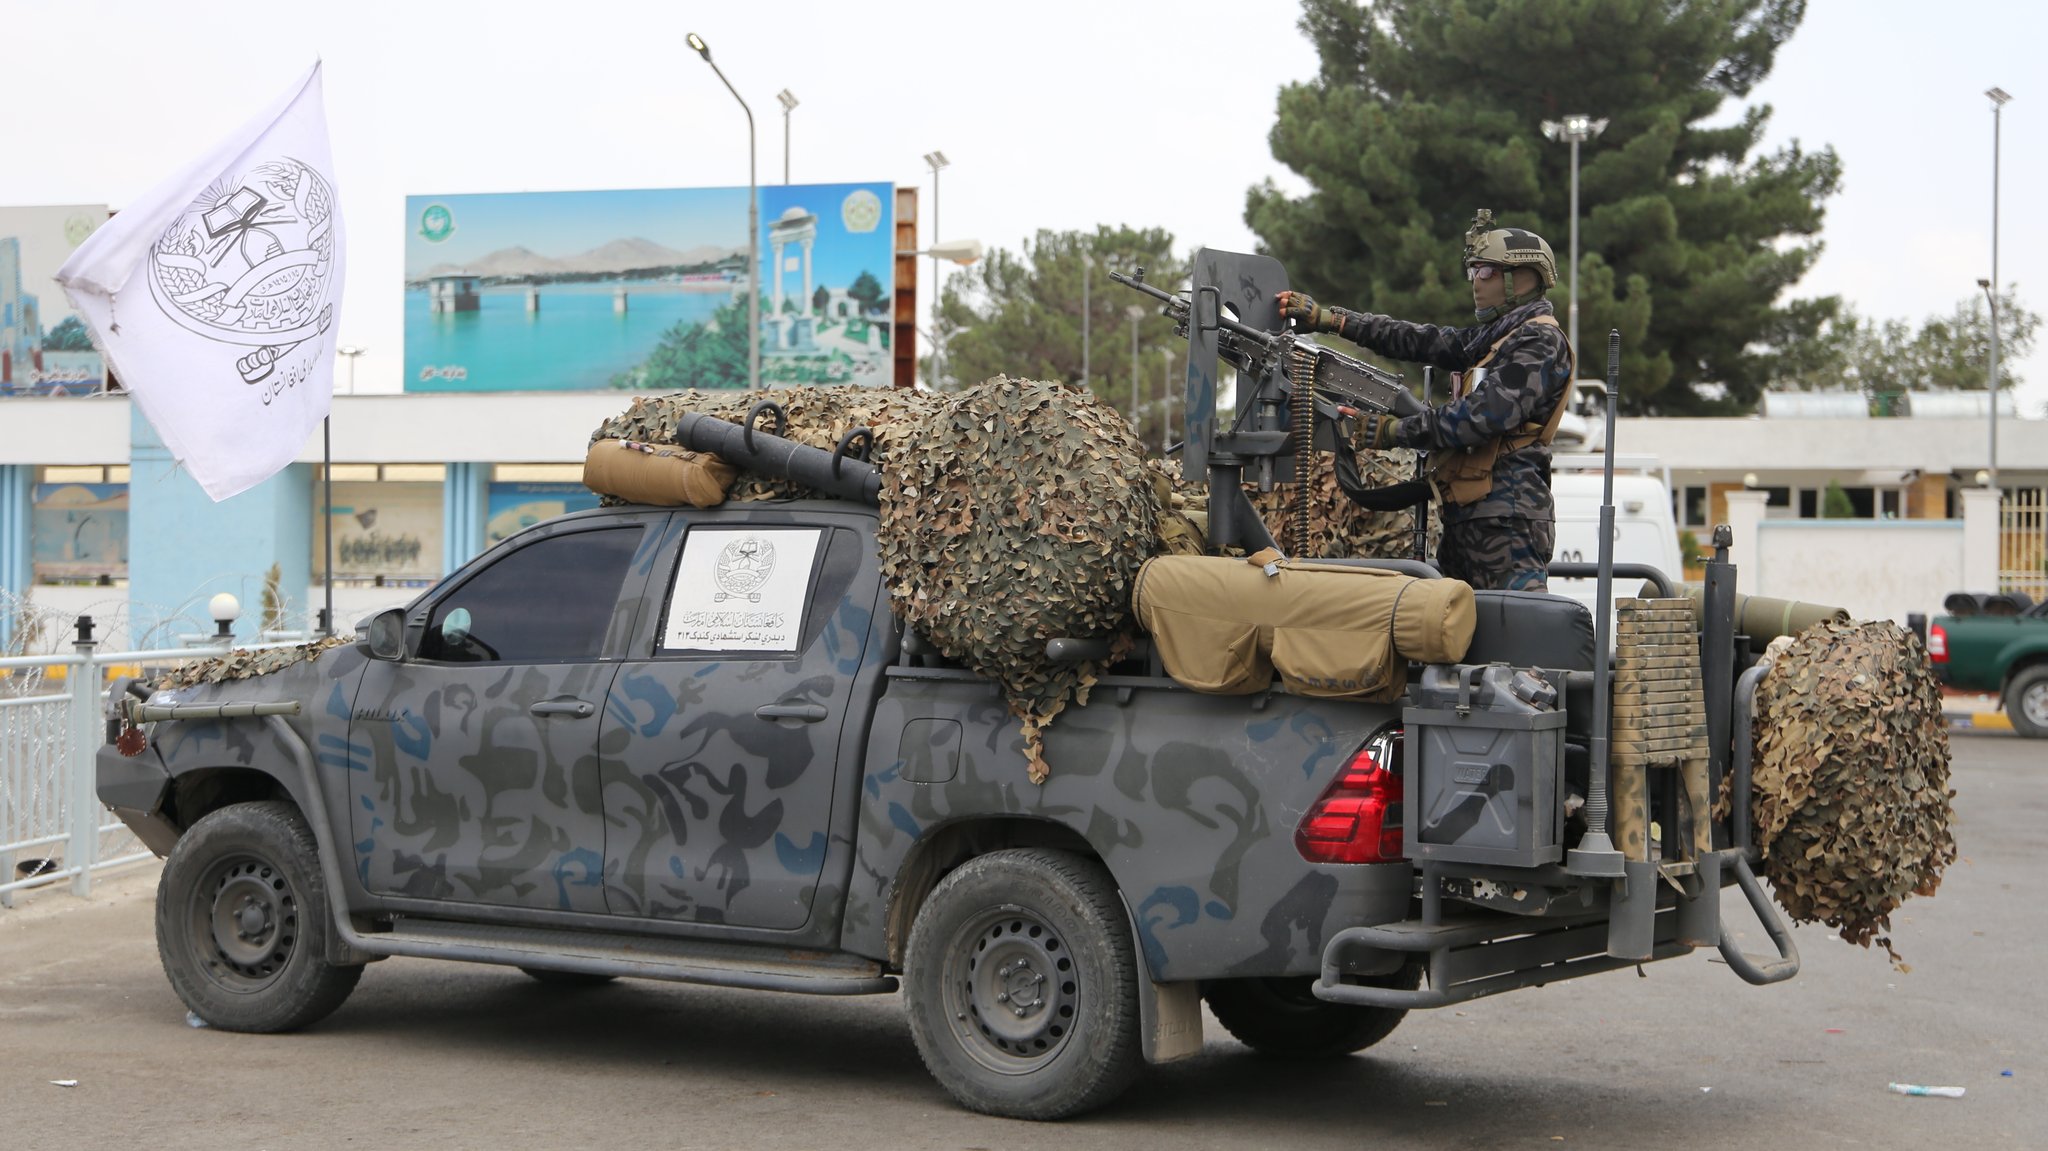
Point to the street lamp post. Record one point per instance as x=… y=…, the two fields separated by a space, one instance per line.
x=1998 y=98
x=1087 y=272
x=753 y=223
x=1166 y=406
x=1136 y=313
x=1577 y=130
x=936 y=161
x=789 y=102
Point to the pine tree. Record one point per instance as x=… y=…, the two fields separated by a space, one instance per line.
x=1426 y=110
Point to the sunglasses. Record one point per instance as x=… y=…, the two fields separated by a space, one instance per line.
x=1481 y=271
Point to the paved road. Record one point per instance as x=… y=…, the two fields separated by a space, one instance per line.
x=438 y=1055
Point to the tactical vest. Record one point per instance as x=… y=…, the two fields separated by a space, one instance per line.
x=1465 y=475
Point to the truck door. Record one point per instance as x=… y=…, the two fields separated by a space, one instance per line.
x=482 y=783
x=720 y=748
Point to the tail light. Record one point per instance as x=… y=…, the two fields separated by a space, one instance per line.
x=1937 y=644
x=1358 y=819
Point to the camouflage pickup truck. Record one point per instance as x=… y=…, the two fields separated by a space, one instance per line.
x=697 y=745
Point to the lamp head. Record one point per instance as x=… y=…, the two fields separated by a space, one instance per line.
x=351 y=350
x=1998 y=96
x=789 y=100
x=1749 y=480
x=937 y=160
x=702 y=49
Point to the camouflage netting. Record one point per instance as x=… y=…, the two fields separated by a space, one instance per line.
x=1020 y=513
x=1338 y=527
x=242 y=664
x=1851 y=796
x=818 y=417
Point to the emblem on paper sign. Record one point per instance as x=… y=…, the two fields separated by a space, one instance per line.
x=252 y=263
x=742 y=569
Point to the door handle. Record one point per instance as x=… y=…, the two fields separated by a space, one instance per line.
x=807 y=712
x=574 y=708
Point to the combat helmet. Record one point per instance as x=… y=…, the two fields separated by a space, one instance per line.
x=1510 y=248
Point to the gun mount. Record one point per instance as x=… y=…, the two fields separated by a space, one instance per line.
x=1230 y=315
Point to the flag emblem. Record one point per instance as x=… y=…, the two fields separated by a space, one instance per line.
x=251 y=262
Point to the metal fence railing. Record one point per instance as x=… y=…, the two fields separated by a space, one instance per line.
x=52 y=825
x=2023 y=542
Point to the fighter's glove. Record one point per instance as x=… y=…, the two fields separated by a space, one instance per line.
x=1376 y=430
x=1306 y=313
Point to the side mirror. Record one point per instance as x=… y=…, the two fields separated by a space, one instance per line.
x=384 y=635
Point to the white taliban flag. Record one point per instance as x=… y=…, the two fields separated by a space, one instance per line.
x=215 y=296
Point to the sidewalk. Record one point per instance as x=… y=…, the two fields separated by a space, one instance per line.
x=1974 y=710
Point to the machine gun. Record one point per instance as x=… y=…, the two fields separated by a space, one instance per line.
x=1344 y=379
x=1289 y=389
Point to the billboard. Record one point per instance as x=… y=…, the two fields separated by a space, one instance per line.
x=78 y=531
x=382 y=530
x=44 y=349
x=646 y=289
x=514 y=507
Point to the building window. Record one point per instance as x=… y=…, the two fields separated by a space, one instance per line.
x=1692 y=507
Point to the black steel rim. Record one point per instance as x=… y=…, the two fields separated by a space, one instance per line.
x=1012 y=990
x=244 y=923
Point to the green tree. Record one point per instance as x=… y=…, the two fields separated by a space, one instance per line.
x=691 y=355
x=1425 y=110
x=867 y=290
x=1019 y=314
x=1834 y=503
x=69 y=336
x=1887 y=358
x=821 y=299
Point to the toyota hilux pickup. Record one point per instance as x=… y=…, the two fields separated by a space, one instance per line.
x=697 y=745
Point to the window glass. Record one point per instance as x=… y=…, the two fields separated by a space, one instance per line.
x=1809 y=504
x=550 y=600
x=1695 y=510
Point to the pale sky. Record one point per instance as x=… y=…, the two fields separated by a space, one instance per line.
x=1056 y=114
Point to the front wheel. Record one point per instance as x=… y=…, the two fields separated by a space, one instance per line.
x=242 y=922
x=2026 y=702
x=1021 y=985
x=1283 y=1017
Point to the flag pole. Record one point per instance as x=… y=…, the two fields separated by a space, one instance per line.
x=327 y=519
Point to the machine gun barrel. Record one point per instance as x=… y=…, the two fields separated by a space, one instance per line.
x=1177 y=307
x=1342 y=378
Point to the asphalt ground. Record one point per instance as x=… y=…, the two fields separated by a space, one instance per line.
x=429 y=1055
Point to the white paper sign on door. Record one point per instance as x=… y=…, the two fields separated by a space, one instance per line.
x=741 y=589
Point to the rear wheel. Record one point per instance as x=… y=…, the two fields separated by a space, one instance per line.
x=1021 y=985
x=242 y=922
x=2026 y=702
x=1283 y=1017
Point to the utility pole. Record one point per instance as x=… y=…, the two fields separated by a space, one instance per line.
x=1998 y=99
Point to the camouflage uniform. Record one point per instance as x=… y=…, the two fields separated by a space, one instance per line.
x=1504 y=538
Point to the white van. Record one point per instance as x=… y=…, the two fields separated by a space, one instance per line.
x=1644 y=530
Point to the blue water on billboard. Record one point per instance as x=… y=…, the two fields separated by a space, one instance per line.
x=577 y=339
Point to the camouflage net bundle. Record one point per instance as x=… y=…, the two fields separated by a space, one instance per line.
x=1851 y=796
x=243 y=664
x=1019 y=512
x=818 y=417
x=1338 y=527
